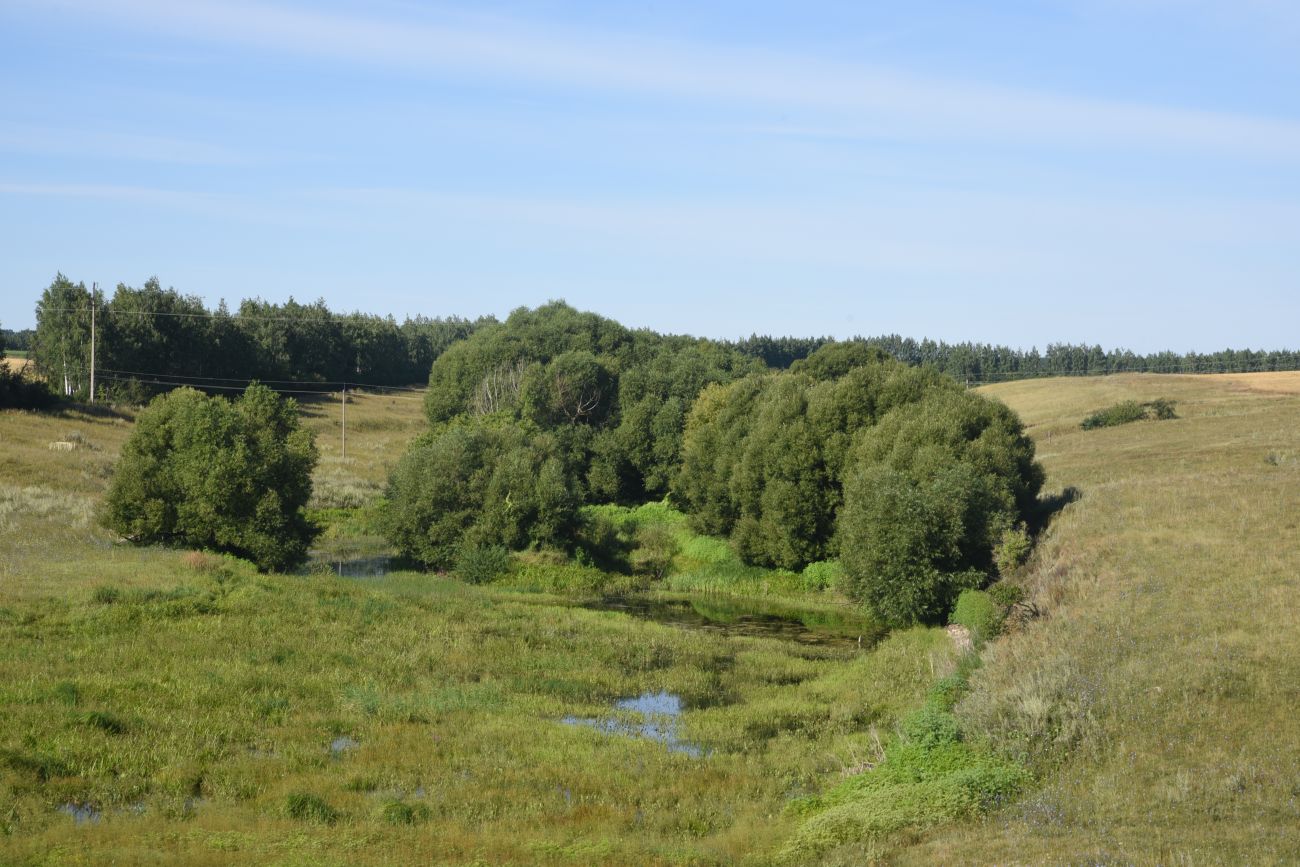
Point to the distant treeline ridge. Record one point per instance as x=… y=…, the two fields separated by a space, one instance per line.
x=975 y=363
x=150 y=336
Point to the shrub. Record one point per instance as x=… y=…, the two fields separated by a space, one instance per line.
x=204 y=472
x=656 y=545
x=19 y=390
x=930 y=727
x=822 y=575
x=1012 y=550
x=482 y=564
x=306 y=807
x=1130 y=411
x=1006 y=595
x=978 y=612
x=402 y=813
x=603 y=542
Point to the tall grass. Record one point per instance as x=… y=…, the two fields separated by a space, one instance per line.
x=1155 y=697
x=176 y=707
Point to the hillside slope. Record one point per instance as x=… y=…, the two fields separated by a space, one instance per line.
x=1157 y=696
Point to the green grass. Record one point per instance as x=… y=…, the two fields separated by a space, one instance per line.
x=192 y=704
x=1156 y=696
x=707 y=565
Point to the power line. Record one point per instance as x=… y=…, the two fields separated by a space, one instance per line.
x=235 y=317
x=200 y=380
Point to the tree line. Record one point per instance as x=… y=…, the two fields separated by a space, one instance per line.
x=149 y=336
x=976 y=363
x=20 y=340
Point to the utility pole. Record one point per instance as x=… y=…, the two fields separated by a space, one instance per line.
x=94 y=290
x=345 y=421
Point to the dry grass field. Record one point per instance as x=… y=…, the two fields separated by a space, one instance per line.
x=1158 y=696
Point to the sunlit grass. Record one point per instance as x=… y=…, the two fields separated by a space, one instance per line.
x=1157 y=696
x=168 y=706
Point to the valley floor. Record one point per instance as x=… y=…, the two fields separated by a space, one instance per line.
x=160 y=706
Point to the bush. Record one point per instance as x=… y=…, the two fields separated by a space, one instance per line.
x=1012 y=550
x=1006 y=595
x=402 y=813
x=931 y=727
x=482 y=564
x=203 y=472
x=822 y=575
x=1160 y=409
x=656 y=545
x=306 y=807
x=603 y=542
x=978 y=612
x=18 y=390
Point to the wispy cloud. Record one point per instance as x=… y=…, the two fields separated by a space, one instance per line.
x=840 y=99
x=937 y=234
x=115 y=145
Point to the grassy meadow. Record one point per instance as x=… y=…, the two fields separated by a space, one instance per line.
x=159 y=706
x=1156 y=697
x=163 y=706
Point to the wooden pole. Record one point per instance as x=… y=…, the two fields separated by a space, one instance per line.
x=345 y=421
x=94 y=290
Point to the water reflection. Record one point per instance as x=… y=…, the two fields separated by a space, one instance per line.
x=733 y=618
x=360 y=567
x=81 y=814
x=651 y=715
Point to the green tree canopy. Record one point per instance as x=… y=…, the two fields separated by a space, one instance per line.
x=206 y=472
x=930 y=492
x=61 y=345
x=480 y=485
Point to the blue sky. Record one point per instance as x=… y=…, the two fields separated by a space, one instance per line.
x=1066 y=170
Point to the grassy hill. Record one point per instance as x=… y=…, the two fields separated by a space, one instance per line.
x=1157 y=697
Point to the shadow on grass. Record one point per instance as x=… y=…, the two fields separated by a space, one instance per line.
x=1050 y=506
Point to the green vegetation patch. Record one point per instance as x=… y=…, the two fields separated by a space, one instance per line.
x=928 y=775
x=1130 y=411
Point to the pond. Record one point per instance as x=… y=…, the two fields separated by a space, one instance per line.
x=651 y=715
x=355 y=567
x=846 y=629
